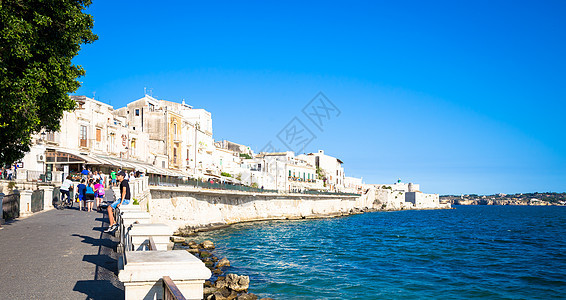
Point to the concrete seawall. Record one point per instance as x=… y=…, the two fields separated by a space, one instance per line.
x=190 y=208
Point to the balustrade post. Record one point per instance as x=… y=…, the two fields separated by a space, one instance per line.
x=2 y=209
x=25 y=203
x=142 y=275
x=47 y=197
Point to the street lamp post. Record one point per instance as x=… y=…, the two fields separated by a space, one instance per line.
x=197 y=127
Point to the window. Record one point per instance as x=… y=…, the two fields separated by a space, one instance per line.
x=83 y=136
x=133 y=147
x=175 y=131
x=50 y=136
x=137 y=112
x=289 y=173
x=112 y=140
x=175 y=155
x=98 y=134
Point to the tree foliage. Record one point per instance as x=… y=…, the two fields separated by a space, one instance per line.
x=38 y=40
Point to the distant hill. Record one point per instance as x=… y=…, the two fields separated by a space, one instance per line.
x=507 y=199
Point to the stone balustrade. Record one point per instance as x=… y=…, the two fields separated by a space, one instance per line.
x=139 y=236
x=47 y=197
x=2 y=208
x=25 y=203
x=142 y=271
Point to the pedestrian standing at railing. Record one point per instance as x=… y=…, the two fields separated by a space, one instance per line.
x=9 y=174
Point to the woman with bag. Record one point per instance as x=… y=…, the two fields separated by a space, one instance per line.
x=99 y=193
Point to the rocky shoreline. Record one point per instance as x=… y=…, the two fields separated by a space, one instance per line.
x=221 y=285
x=189 y=231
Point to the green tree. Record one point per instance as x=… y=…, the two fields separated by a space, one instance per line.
x=38 y=40
x=245 y=155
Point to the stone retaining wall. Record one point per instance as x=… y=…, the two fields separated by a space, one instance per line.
x=192 y=208
x=182 y=207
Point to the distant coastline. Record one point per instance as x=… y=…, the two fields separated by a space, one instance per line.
x=526 y=199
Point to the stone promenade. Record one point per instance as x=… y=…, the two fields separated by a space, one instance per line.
x=59 y=254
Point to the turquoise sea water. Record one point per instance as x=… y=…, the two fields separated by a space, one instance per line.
x=481 y=252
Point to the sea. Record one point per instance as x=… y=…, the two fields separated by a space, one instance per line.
x=470 y=252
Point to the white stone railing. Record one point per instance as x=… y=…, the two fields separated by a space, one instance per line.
x=143 y=272
x=138 y=186
x=2 y=209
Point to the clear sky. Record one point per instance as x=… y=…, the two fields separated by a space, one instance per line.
x=459 y=96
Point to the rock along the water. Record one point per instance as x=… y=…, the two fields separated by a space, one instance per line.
x=224 y=262
x=238 y=283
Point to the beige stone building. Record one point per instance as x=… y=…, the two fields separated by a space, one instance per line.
x=180 y=137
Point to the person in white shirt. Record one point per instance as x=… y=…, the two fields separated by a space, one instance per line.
x=96 y=176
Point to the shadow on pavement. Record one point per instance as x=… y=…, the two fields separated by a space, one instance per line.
x=97 y=242
x=99 y=290
x=103 y=261
x=9 y=222
x=105 y=284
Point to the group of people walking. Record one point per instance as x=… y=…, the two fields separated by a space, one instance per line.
x=91 y=190
x=88 y=191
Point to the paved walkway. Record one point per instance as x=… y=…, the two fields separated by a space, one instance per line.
x=59 y=254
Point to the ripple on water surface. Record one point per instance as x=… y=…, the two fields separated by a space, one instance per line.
x=489 y=252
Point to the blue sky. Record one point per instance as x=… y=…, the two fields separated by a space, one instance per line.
x=461 y=97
